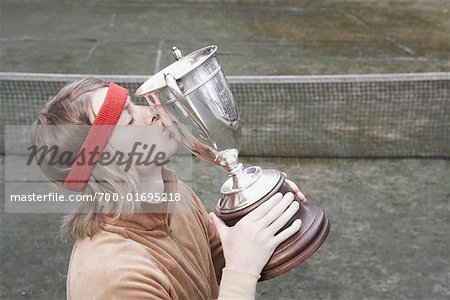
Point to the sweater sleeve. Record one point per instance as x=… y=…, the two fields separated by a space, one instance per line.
x=237 y=285
x=234 y=284
x=213 y=236
x=114 y=268
x=216 y=249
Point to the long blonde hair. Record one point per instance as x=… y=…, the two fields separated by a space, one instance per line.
x=72 y=106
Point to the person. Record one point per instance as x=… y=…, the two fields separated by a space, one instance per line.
x=149 y=249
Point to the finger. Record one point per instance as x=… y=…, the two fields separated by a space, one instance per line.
x=277 y=210
x=296 y=190
x=292 y=185
x=220 y=225
x=284 y=218
x=264 y=208
x=288 y=232
x=301 y=196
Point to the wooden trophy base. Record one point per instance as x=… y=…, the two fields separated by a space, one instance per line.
x=299 y=247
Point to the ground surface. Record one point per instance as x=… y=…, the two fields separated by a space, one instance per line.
x=389 y=233
x=254 y=37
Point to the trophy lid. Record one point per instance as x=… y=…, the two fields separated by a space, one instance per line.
x=179 y=69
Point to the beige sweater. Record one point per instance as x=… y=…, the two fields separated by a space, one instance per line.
x=174 y=255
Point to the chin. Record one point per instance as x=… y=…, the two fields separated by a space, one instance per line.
x=172 y=146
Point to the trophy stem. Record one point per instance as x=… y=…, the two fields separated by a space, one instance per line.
x=229 y=160
x=241 y=189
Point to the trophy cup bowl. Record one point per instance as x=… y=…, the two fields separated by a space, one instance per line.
x=194 y=94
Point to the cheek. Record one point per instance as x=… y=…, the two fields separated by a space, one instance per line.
x=125 y=137
x=124 y=119
x=121 y=143
x=154 y=135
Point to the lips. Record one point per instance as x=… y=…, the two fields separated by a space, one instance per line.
x=164 y=129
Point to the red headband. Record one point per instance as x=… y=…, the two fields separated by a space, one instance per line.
x=97 y=137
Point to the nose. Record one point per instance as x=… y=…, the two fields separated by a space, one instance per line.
x=151 y=116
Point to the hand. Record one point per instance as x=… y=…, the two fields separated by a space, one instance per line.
x=295 y=189
x=248 y=245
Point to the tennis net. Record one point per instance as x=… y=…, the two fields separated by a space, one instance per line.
x=380 y=115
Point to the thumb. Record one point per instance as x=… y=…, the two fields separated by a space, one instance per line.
x=220 y=225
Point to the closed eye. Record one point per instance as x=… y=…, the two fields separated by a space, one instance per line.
x=127 y=109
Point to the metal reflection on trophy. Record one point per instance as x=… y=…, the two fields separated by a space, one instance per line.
x=194 y=94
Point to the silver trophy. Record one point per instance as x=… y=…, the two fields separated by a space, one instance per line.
x=194 y=94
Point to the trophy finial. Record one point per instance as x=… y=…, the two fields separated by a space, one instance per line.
x=176 y=53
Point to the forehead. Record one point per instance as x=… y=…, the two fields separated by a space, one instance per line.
x=98 y=96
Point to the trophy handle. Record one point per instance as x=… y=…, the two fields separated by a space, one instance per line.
x=195 y=116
